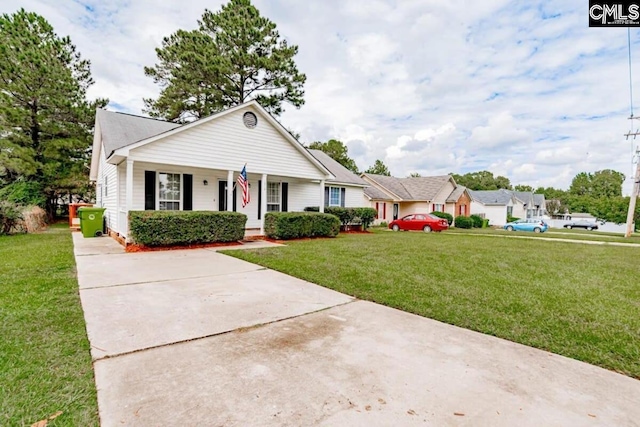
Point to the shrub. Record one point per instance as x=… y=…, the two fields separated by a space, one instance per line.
x=384 y=224
x=294 y=225
x=24 y=193
x=476 y=220
x=312 y=209
x=511 y=218
x=345 y=215
x=444 y=215
x=365 y=216
x=464 y=222
x=9 y=217
x=156 y=228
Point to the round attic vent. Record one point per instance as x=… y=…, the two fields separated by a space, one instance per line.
x=250 y=120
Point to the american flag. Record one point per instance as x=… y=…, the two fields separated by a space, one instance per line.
x=244 y=184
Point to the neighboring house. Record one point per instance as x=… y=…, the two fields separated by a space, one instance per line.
x=495 y=205
x=534 y=205
x=395 y=197
x=346 y=189
x=140 y=163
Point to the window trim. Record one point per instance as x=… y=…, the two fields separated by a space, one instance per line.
x=331 y=188
x=279 y=184
x=180 y=202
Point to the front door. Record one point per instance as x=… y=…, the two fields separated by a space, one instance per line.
x=396 y=211
x=222 y=196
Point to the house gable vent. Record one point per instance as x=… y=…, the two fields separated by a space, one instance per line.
x=250 y=120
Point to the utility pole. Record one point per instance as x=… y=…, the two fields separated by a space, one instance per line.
x=636 y=182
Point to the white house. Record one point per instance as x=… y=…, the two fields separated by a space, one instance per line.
x=495 y=205
x=140 y=163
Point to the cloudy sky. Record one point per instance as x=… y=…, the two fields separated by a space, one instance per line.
x=522 y=88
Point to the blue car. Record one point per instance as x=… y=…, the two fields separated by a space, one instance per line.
x=535 y=225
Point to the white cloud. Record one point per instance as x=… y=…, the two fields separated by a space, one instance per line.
x=504 y=86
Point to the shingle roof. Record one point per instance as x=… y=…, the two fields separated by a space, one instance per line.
x=456 y=193
x=538 y=199
x=491 y=197
x=375 y=194
x=418 y=188
x=525 y=196
x=342 y=174
x=119 y=130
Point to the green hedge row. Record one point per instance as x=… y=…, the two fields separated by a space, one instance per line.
x=477 y=221
x=158 y=228
x=348 y=216
x=294 y=225
x=464 y=222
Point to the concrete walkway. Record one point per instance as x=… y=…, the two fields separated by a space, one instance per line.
x=197 y=338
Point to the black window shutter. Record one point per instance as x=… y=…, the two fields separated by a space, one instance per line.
x=222 y=195
x=285 y=197
x=326 y=196
x=149 y=190
x=343 y=193
x=259 y=199
x=187 y=188
x=234 y=199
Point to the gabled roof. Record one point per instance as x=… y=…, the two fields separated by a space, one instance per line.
x=125 y=132
x=424 y=188
x=538 y=199
x=373 y=193
x=456 y=193
x=525 y=197
x=342 y=174
x=119 y=129
x=492 y=197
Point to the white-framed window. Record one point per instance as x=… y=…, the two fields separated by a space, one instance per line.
x=273 y=197
x=335 y=198
x=438 y=207
x=169 y=191
x=463 y=210
x=509 y=210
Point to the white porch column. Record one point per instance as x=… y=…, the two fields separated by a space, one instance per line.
x=129 y=193
x=322 y=196
x=229 y=191
x=263 y=201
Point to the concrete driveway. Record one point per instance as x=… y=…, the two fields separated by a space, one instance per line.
x=197 y=338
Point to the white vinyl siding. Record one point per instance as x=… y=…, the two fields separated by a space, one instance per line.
x=106 y=194
x=227 y=144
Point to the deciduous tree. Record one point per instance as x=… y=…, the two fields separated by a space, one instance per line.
x=379 y=168
x=235 y=55
x=338 y=151
x=482 y=180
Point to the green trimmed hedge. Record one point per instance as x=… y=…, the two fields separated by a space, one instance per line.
x=477 y=221
x=159 y=228
x=294 y=225
x=464 y=222
x=444 y=215
x=349 y=216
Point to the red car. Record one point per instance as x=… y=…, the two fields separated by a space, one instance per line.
x=424 y=222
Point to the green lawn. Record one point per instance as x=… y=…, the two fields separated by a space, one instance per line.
x=556 y=233
x=45 y=365
x=581 y=301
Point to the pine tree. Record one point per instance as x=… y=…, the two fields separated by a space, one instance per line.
x=234 y=56
x=45 y=118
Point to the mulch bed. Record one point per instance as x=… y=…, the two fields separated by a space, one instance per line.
x=142 y=248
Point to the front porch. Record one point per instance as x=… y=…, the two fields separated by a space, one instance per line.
x=161 y=186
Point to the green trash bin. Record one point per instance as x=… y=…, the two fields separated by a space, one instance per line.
x=91 y=221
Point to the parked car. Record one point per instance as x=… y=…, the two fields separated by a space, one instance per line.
x=584 y=223
x=424 y=222
x=535 y=225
